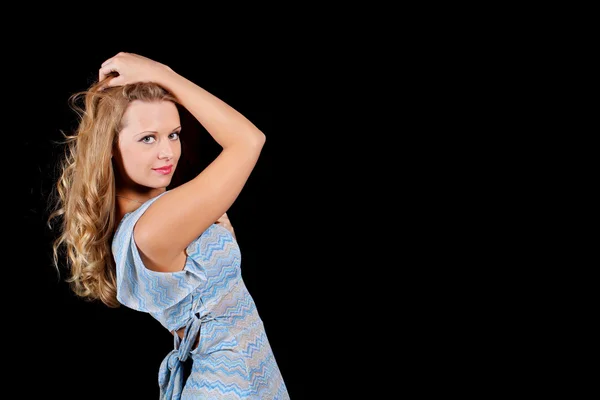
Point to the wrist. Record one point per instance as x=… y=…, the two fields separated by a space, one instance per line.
x=166 y=77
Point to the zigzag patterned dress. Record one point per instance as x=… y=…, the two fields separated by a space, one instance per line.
x=209 y=299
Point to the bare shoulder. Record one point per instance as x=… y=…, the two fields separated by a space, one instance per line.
x=158 y=264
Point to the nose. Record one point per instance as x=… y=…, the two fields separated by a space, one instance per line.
x=166 y=151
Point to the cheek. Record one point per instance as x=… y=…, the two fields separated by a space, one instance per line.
x=134 y=160
x=177 y=151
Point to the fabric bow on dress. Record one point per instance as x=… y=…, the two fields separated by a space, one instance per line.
x=170 y=377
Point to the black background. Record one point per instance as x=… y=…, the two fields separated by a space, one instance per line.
x=360 y=225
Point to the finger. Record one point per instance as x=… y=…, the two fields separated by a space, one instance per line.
x=104 y=71
x=116 y=81
x=109 y=60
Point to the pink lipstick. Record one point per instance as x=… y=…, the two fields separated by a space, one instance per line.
x=164 y=170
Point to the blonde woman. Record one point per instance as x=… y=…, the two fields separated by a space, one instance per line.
x=127 y=240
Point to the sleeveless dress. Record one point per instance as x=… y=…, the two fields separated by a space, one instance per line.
x=208 y=298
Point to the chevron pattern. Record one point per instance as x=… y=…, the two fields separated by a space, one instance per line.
x=234 y=359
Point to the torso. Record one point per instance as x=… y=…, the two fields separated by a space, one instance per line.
x=118 y=217
x=181 y=260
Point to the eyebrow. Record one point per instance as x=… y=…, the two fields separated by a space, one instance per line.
x=171 y=131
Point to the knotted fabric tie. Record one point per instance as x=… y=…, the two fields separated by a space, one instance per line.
x=170 y=376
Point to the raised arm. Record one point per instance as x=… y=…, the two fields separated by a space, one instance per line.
x=170 y=224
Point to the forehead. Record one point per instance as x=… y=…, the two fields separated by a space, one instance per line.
x=154 y=115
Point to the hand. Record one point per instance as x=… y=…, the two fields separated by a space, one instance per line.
x=130 y=68
x=225 y=223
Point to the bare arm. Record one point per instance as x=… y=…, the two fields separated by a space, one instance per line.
x=170 y=224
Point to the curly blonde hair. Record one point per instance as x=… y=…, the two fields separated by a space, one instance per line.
x=84 y=194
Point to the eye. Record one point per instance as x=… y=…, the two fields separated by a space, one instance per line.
x=145 y=138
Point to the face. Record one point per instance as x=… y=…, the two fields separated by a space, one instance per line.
x=148 y=141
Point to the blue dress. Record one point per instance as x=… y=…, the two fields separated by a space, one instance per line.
x=209 y=299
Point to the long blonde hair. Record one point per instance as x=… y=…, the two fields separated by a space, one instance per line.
x=84 y=194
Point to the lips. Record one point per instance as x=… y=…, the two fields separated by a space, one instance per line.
x=164 y=170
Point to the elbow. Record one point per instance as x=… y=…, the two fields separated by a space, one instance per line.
x=260 y=139
x=257 y=142
x=250 y=140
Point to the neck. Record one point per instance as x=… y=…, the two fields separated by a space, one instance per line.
x=128 y=200
x=131 y=199
x=129 y=194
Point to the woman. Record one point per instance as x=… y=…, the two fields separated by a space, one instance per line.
x=128 y=240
